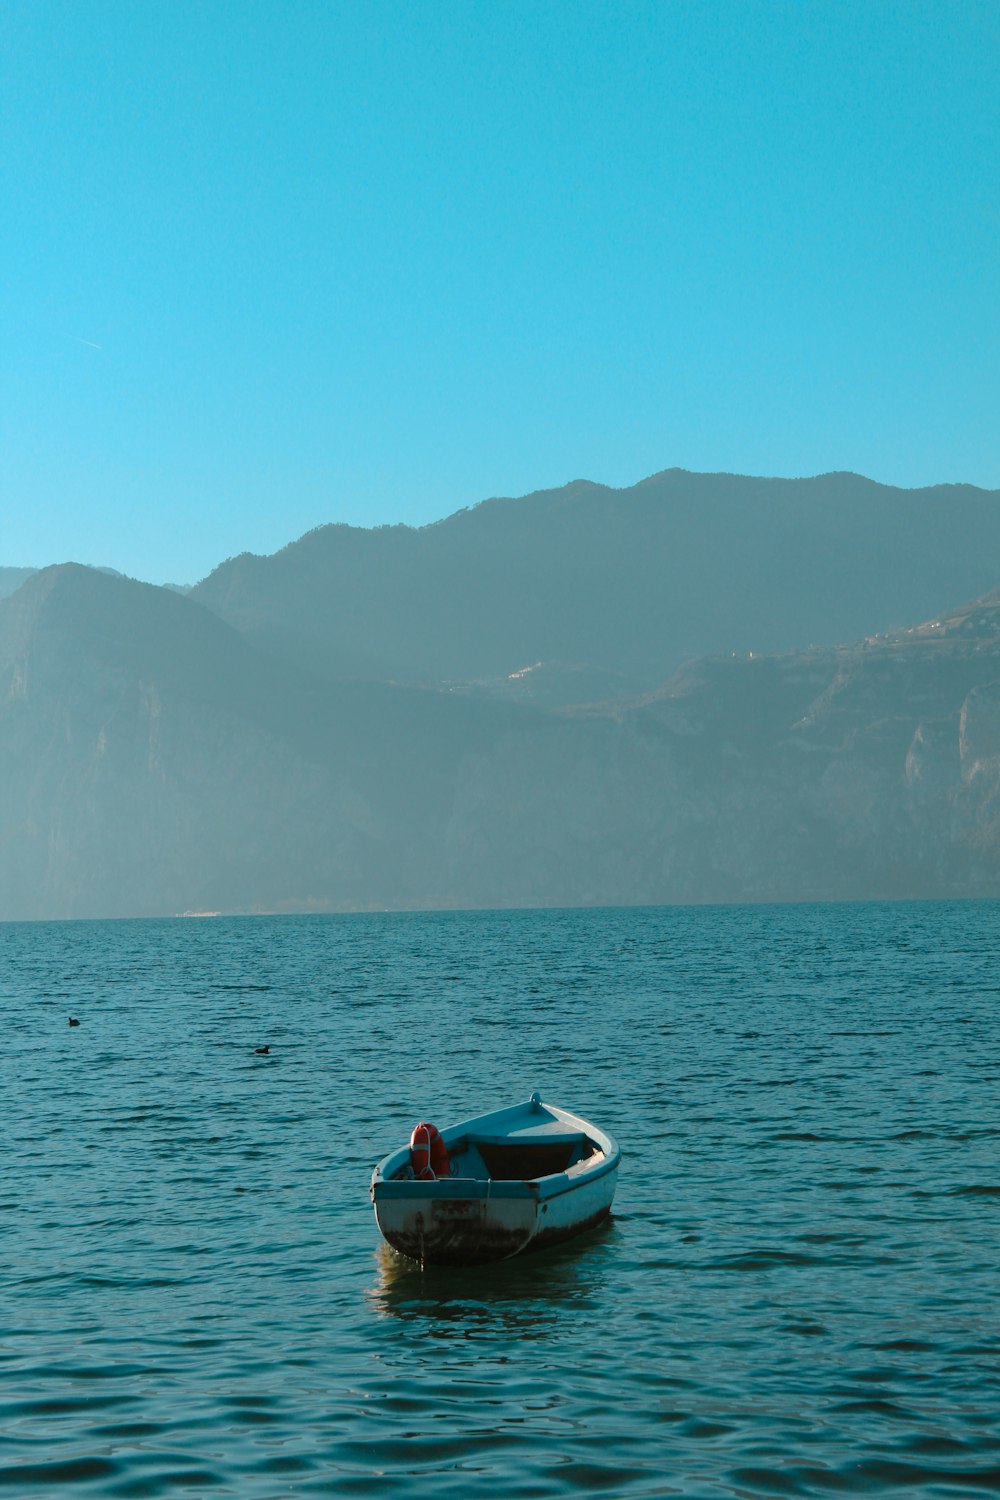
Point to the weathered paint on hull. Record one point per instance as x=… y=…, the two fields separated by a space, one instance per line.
x=459 y=1249
x=469 y=1232
x=462 y=1250
x=453 y=1232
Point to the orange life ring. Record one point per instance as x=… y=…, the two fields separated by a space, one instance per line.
x=428 y=1152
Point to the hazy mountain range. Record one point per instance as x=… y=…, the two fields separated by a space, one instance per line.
x=549 y=700
x=628 y=582
x=12 y=578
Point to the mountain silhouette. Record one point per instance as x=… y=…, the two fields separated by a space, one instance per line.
x=626 y=583
x=158 y=755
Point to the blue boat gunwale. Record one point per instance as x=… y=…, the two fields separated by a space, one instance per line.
x=552 y=1186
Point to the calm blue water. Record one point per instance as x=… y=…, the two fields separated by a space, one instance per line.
x=797 y=1294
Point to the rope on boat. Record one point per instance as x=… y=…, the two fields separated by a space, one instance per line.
x=483 y=1222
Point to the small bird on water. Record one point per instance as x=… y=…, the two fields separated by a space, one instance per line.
x=73 y=1021
x=261 y=1051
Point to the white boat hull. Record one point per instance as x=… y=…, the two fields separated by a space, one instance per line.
x=469 y=1220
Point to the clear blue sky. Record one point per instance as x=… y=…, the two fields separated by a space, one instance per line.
x=270 y=263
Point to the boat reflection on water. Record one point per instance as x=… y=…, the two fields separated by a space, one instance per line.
x=522 y=1295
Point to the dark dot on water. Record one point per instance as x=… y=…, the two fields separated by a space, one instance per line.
x=261 y=1051
x=73 y=1021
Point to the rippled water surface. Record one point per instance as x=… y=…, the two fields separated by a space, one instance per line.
x=797 y=1294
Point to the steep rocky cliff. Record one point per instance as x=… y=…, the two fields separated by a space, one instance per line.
x=152 y=760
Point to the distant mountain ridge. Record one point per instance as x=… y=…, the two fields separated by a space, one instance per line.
x=163 y=753
x=12 y=578
x=153 y=761
x=631 y=582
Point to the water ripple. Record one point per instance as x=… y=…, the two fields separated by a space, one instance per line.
x=794 y=1296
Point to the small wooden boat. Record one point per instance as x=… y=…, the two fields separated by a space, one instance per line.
x=518 y=1179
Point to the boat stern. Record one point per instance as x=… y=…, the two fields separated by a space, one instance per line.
x=453 y=1221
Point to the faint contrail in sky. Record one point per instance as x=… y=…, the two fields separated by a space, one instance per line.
x=88 y=342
